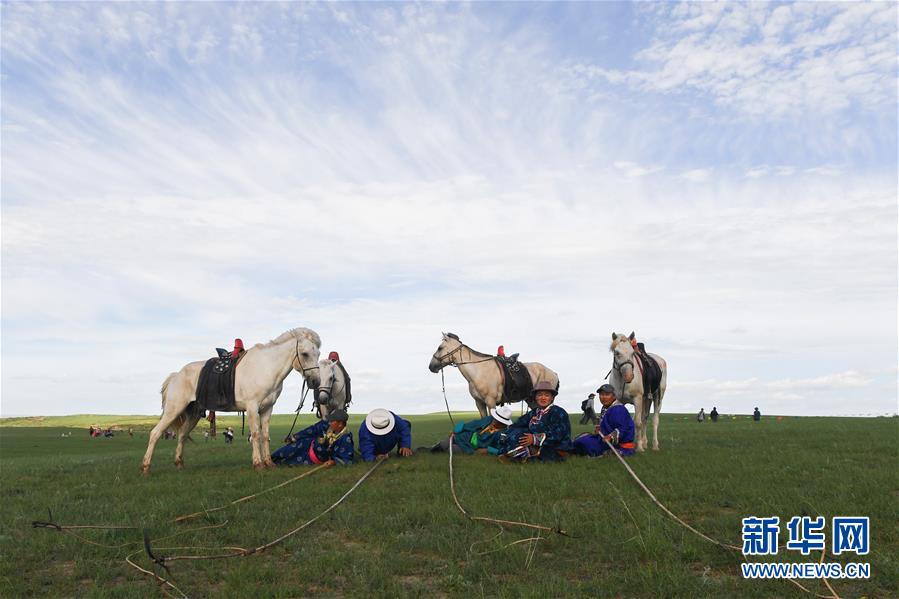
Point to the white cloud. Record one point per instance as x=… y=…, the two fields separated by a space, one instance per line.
x=698 y=175
x=632 y=170
x=768 y=60
x=452 y=180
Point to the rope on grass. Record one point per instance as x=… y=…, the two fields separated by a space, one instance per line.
x=248 y=497
x=243 y=552
x=70 y=528
x=445 y=400
x=707 y=538
x=162 y=581
x=484 y=518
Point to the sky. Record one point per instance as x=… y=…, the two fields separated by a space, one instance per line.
x=720 y=178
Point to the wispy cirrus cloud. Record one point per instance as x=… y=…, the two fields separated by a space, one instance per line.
x=769 y=59
x=178 y=174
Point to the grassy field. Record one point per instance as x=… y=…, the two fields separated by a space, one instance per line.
x=400 y=534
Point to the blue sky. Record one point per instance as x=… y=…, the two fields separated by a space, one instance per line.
x=720 y=178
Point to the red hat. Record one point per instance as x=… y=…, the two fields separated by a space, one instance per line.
x=334 y=357
x=238 y=343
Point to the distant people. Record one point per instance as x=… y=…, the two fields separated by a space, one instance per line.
x=130 y=431
x=701 y=416
x=543 y=433
x=616 y=427
x=108 y=433
x=229 y=435
x=714 y=414
x=381 y=432
x=326 y=442
x=90 y=430
x=587 y=407
x=486 y=435
x=206 y=436
x=756 y=415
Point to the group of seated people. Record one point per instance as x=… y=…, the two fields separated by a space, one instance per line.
x=543 y=434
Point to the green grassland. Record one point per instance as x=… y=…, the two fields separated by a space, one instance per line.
x=399 y=534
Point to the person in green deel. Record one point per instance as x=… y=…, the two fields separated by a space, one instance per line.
x=486 y=435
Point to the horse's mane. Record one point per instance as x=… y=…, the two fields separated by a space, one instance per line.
x=299 y=332
x=474 y=351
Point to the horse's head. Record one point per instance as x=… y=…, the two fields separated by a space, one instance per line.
x=306 y=359
x=327 y=371
x=623 y=355
x=445 y=352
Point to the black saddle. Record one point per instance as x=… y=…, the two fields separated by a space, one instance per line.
x=652 y=372
x=215 y=388
x=517 y=384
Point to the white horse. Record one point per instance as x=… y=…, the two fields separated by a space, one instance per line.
x=332 y=392
x=484 y=376
x=630 y=388
x=258 y=381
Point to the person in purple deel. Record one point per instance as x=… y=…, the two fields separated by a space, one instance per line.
x=616 y=427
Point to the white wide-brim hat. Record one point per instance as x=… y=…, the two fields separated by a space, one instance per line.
x=379 y=422
x=502 y=414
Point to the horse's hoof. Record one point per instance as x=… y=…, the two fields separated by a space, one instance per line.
x=270 y=465
x=179 y=465
x=145 y=470
x=259 y=467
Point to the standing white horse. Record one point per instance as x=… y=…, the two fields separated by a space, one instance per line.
x=630 y=388
x=485 y=379
x=258 y=382
x=333 y=392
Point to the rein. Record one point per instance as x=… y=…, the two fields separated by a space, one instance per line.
x=303 y=391
x=452 y=362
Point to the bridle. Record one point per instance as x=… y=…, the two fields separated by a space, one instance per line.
x=327 y=389
x=617 y=366
x=458 y=348
x=300 y=363
x=303 y=389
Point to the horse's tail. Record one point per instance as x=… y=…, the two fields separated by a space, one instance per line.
x=165 y=386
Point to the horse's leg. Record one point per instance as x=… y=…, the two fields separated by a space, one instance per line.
x=655 y=421
x=265 y=418
x=647 y=406
x=639 y=421
x=663 y=384
x=478 y=400
x=169 y=415
x=188 y=422
x=255 y=435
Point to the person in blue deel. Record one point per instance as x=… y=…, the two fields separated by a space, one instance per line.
x=327 y=442
x=381 y=432
x=543 y=433
x=616 y=427
x=486 y=435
